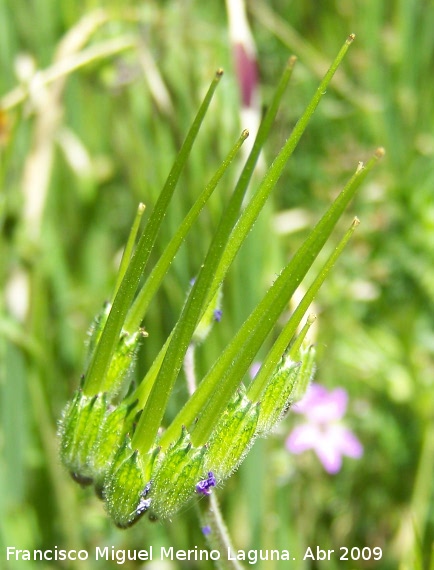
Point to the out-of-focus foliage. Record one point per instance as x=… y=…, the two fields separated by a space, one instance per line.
x=77 y=157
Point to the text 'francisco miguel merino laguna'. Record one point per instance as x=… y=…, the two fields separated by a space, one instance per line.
x=121 y=556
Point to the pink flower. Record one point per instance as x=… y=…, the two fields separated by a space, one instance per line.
x=323 y=431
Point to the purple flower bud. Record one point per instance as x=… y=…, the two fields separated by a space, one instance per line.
x=206 y=530
x=203 y=487
x=247 y=73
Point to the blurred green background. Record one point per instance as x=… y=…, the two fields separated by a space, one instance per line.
x=81 y=147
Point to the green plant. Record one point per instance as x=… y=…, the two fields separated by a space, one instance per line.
x=111 y=432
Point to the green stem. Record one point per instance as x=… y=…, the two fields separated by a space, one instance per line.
x=413 y=526
x=218 y=537
x=211 y=519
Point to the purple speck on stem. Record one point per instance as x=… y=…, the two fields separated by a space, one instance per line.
x=206 y=530
x=218 y=315
x=204 y=486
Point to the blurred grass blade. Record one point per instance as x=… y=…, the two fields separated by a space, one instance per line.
x=312 y=58
x=67 y=65
x=14 y=425
x=94 y=381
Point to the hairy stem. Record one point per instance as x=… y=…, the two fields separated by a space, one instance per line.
x=216 y=533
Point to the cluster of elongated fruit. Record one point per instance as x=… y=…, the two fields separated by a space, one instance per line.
x=96 y=433
x=113 y=439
